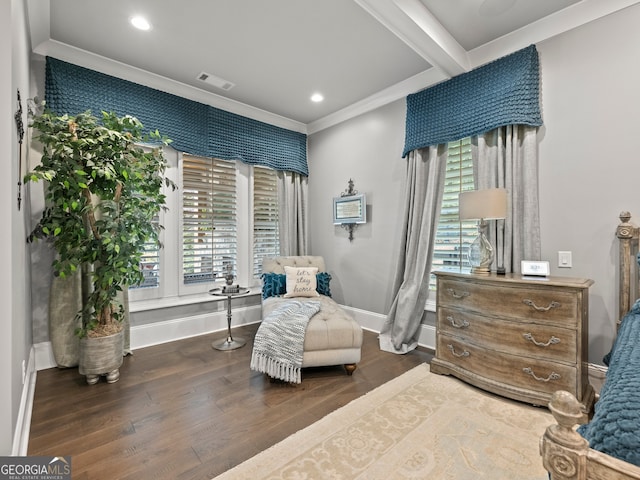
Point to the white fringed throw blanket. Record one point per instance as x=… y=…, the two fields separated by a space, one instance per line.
x=278 y=345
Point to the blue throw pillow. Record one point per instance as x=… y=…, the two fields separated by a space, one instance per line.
x=322 y=283
x=273 y=284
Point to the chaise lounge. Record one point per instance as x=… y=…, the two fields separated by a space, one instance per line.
x=331 y=337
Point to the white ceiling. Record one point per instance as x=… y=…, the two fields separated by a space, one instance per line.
x=359 y=54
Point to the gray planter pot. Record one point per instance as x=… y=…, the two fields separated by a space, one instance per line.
x=101 y=356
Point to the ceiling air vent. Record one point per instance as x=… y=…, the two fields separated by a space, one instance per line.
x=215 y=81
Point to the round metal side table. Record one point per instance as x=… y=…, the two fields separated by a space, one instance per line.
x=230 y=343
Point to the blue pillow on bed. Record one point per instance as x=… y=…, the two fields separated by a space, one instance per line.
x=275 y=284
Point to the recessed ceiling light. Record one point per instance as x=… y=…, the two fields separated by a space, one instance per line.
x=317 y=97
x=140 y=23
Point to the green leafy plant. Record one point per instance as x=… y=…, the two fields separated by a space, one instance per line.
x=103 y=195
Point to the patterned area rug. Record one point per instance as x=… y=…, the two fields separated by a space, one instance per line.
x=417 y=426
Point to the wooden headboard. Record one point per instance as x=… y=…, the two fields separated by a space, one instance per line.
x=628 y=286
x=565 y=453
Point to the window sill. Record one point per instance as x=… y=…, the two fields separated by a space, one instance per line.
x=167 y=302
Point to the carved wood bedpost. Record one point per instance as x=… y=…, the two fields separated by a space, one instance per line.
x=625 y=233
x=563 y=450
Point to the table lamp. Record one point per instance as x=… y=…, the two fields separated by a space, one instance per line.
x=483 y=205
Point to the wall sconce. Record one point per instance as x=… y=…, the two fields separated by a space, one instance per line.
x=350 y=209
x=483 y=205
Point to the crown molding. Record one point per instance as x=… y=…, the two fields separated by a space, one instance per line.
x=409 y=20
x=433 y=46
x=395 y=92
x=548 y=27
x=121 y=70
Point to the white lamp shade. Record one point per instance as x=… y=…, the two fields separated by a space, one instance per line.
x=489 y=204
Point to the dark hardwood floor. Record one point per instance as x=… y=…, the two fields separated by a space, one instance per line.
x=183 y=410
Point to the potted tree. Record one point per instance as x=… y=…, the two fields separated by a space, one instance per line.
x=102 y=199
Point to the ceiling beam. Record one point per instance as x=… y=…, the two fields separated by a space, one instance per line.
x=447 y=54
x=415 y=25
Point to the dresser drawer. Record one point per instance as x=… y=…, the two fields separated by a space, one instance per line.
x=546 y=342
x=521 y=372
x=543 y=305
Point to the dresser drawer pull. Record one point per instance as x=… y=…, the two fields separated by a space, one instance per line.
x=531 y=303
x=552 y=376
x=455 y=354
x=457 y=324
x=552 y=341
x=455 y=294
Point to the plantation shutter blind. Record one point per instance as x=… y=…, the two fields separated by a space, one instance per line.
x=150 y=263
x=209 y=231
x=454 y=237
x=266 y=238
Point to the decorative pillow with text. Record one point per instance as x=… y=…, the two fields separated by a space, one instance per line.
x=275 y=284
x=301 y=281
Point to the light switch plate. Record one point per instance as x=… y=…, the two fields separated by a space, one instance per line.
x=564 y=260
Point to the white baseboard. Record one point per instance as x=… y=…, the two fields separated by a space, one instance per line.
x=44 y=356
x=368 y=320
x=168 y=331
x=373 y=322
x=23 y=422
x=171 y=330
x=41 y=355
x=177 y=329
x=597 y=375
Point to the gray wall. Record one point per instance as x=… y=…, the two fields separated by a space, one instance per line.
x=589 y=166
x=41 y=252
x=589 y=100
x=364 y=149
x=16 y=340
x=588 y=170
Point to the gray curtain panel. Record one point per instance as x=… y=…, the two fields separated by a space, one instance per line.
x=425 y=184
x=293 y=219
x=65 y=300
x=507 y=157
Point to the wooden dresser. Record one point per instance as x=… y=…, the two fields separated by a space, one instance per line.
x=520 y=337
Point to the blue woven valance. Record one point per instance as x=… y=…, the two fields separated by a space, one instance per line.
x=193 y=127
x=503 y=92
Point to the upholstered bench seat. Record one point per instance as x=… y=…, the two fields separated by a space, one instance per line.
x=332 y=336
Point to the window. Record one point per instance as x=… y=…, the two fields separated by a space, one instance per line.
x=452 y=236
x=150 y=263
x=266 y=238
x=209 y=223
x=224 y=212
